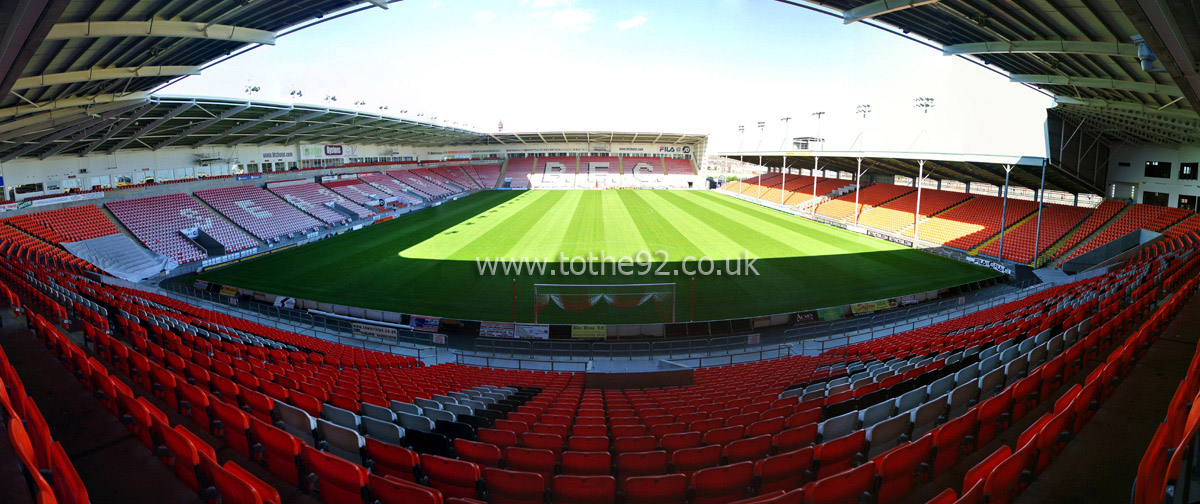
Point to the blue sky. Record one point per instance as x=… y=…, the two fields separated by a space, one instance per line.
x=697 y=66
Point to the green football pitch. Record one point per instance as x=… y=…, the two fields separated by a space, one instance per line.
x=429 y=262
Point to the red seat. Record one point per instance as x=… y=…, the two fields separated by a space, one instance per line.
x=952 y=440
x=178 y=453
x=651 y=463
x=1010 y=476
x=846 y=487
x=499 y=438
x=838 y=455
x=902 y=468
x=724 y=484
x=694 y=459
x=393 y=461
x=531 y=460
x=587 y=443
x=751 y=449
x=585 y=489
x=683 y=440
x=586 y=463
x=995 y=415
x=229 y=487
x=724 y=435
x=68 y=488
x=513 y=487
x=786 y=471
x=633 y=444
x=770 y=426
x=337 y=480
x=552 y=442
x=454 y=478
x=484 y=454
x=795 y=438
x=278 y=450
x=668 y=489
x=388 y=490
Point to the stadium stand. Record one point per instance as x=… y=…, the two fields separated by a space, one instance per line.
x=824 y=187
x=597 y=172
x=158 y=222
x=419 y=184
x=435 y=176
x=1099 y=217
x=967 y=225
x=456 y=175
x=555 y=172
x=69 y=224
x=486 y=175
x=1057 y=221
x=642 y=171
x=828 y=424
x=391 y=186
x=316 y=200
x=898 y=213
x=355 y=190
x=679 y=172
x=1151 y=217
x=257 y=211
x=521 y=171
x=870 y=196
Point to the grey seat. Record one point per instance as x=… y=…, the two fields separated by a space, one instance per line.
x=838 y=426
x=339 y=416
x=436 y=414
x=458 y=395
x=485 y=400
x=478 y=404
x=1026 y=345
x=808 y=396
x=875 y=413
x=1055 y=346
x=1038 y=356
x=941 y=386
x=969 y=373
x=909 y=400
x=444 y=399
x=1015 y=370
x=885 y=375
x=837 y=381
x=837 y=389
x=1006 y=345
x=796 y=392
x=387 y=432
x=971 y=351
x=885 y=435
x=296 y=422
x=340 y=441
x=991 y=384
x=925 y=417
x=987 y=352
x=1042 y=337
x=963 y=397
x=414 y=422
x=458 y=409
x=1071 y=335
x=427 y=403
x=863 y=382
x=954 y=358
x=989 y=364
x=378 y=412
x=402 y=407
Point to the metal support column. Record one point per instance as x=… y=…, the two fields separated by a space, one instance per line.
x=917 y=211
x=783 y=186
x=1037 y=238
x=1004 y=211
x=760 y=178
x=857 y=187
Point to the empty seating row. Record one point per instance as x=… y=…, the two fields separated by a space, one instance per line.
x=1020 y=241
x=317 y=201
x=158 y=222
x=259 y=212
x=869 y=196
x=68 y=224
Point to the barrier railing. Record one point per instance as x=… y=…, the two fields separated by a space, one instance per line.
x=519 y=363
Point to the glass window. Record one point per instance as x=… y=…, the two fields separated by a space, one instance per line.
x=1155 y=198
x=1187 y=171
x=1158 y=169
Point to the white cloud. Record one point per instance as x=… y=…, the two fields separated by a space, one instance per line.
x=572 y=18
x=632 y=22
x=484 y=16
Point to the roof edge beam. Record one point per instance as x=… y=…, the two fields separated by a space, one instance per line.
x=879 y=8
x=1096 y=82
x=97 y=74
x=159 y=28
x=1043 y=46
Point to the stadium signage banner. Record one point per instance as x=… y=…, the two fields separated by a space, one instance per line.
x=374 y=331
x=873 y=306
x=497 y=330
x=70 y=198
x=806 y=317
x=589 y=331
x=531 y=331
x=893 y=239
x=422 y=323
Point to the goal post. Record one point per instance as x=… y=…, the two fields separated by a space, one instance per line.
x=566 y=299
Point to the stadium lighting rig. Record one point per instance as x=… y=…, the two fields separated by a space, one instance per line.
x=923 y=103
x=818 y=116
x=296 y=93
x=741 y=136
x=864 y=110
x=786 y=122
x=762 y=125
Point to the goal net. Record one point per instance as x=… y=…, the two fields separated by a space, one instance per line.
x=634 y=303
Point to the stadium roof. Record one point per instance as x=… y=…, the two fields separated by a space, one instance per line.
x=64 y=49
x=1026 y=170
x=592 y=136
x=1084 y=52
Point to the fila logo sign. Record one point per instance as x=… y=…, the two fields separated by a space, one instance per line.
x=685 y=149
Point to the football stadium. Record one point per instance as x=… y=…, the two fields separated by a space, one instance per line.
x=217 y=297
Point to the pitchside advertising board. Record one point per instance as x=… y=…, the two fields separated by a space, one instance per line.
x=589 y=331
x=328 y=151
x=375 y=332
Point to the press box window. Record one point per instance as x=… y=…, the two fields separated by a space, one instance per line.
x=1158 y=169
x=1187 y=171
